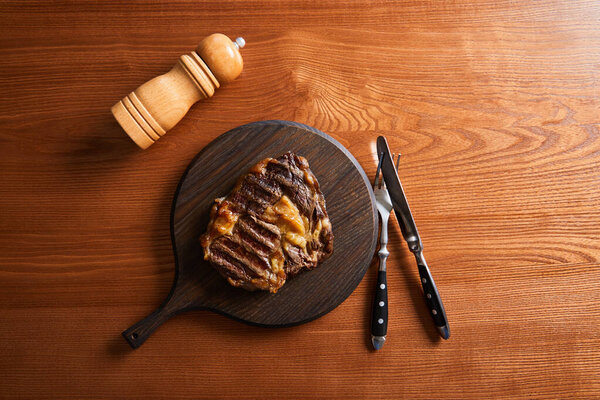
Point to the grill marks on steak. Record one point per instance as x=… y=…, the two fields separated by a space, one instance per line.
x=255 y=194
x=270 y=227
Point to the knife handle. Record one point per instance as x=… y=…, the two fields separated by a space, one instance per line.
x=379 y=317
x=433 y=299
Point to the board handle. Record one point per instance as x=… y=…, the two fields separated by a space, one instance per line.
x=137 y=334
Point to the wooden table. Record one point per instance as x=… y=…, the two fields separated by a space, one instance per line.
x=495 y=106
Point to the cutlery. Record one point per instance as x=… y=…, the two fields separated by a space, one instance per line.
x=411 y=235
x=379 y=316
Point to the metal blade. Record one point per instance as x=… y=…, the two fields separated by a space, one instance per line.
x=403 y=214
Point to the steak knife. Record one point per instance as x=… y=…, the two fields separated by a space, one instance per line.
x=411 y=235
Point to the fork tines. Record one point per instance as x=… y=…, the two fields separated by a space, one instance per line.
x=377 y=183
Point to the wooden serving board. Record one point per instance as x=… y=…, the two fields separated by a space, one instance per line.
x=311 y=294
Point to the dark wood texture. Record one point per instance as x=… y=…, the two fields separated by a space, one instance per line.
x=493 y=104
x=213 y=173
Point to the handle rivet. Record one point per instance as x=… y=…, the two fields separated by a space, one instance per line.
x=381 y=304
x=434 y=312
x=428 y=295
x=380 y=321
x=424 y=280
x=382 y=286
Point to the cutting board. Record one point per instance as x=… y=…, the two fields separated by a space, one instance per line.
x=309 y=295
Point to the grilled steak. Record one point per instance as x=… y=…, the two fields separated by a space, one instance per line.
x=271 y=226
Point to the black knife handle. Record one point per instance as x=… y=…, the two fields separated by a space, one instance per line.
x=433 y=299
x=379 y=317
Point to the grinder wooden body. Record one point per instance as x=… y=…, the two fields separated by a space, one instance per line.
x=151 y=110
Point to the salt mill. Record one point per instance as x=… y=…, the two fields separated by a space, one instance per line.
x=154 y=108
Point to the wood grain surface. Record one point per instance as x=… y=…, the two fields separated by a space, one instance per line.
x=495 y=106
x=212 y=174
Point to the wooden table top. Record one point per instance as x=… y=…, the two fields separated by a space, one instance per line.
x=495 y=106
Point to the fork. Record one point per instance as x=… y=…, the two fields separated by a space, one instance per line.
x=379 y=316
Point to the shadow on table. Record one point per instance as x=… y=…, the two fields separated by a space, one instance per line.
x=99 y=158
x=117 y=347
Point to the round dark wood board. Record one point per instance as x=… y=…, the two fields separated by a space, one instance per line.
x=309 y=295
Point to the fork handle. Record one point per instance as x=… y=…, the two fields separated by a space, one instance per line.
x=432 y=298
x=379 y=317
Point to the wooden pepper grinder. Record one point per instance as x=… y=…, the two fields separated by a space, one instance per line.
x=152 y=109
